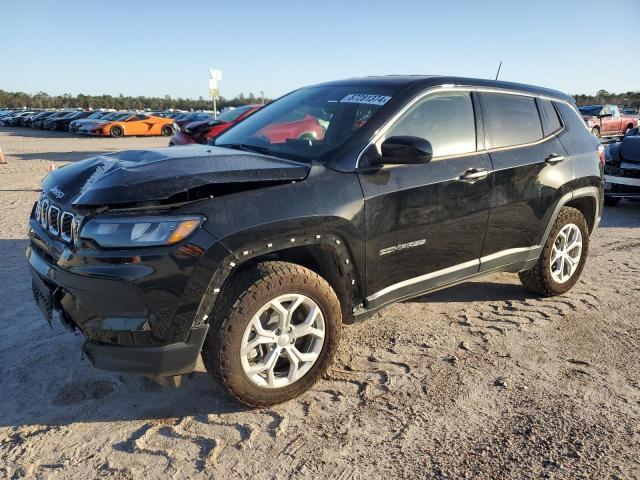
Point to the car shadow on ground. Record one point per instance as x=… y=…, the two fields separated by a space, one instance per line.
x=475 y=291
x=33 y=132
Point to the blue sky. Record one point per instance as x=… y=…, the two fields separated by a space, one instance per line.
x=160 y=47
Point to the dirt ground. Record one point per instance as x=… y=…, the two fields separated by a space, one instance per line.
x=483 y=380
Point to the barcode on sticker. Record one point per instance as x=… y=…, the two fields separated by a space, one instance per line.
x=365 y=98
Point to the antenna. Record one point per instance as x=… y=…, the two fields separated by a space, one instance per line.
x=499 y=67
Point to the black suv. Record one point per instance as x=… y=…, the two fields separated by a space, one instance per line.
x=255 y=250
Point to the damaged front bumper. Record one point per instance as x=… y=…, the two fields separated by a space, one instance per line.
x=137 y=312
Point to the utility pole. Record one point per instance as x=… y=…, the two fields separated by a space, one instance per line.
x=262 y=97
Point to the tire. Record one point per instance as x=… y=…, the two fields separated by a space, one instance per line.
x=540 y=279
x=595 y=132
x=116 y=131
x=611 y=201
x=245 y=296
x=166 y=131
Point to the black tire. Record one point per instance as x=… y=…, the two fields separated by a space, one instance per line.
x=116 y=131
x=166 y=131
x=595 y=131
x=247 y=292
x=611 y=201
x=539 y=279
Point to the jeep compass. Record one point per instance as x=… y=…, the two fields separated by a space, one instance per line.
x=254 y=250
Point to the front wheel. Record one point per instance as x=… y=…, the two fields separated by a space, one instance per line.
x=595 y=132
x=116 y=131
x=274 y=334
x=562 y=258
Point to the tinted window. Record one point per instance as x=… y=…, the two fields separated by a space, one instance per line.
x=511 y=120
x=446 y=120
x=551 y=120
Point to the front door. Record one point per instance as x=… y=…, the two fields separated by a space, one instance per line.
x=425 y=223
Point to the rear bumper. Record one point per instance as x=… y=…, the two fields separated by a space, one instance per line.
x=162 y=361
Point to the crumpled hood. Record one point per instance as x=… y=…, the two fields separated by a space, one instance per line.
x=157 y=174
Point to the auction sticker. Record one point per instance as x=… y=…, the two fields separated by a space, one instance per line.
x=365 y=98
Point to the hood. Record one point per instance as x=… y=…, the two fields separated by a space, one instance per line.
x=157 y=174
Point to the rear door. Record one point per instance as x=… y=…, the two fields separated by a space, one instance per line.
x=425 y=223
x=530 y=172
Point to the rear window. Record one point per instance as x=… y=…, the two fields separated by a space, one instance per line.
x=511 y=120
x=550 y=115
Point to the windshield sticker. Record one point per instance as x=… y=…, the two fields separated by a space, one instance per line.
x=365 y=98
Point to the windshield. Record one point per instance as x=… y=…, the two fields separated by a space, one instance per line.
x=96 y=115
x=593 y=110
x=307 y=123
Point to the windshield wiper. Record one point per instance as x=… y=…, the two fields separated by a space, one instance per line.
x=246 y=147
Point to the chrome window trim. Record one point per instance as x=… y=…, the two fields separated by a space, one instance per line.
x=378 y=134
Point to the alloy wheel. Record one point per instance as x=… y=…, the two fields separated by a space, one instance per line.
x=566 y=253
x=282 y=341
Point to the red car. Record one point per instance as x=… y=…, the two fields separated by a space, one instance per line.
x=204 y=130
x=298 y=125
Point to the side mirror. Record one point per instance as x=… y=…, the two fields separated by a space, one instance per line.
x=406 y=150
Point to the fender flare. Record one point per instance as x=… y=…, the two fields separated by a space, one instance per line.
x=581 y=192
x=238 y=257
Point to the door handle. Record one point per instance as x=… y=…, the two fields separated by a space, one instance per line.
x=473 y=174
x=553 y=159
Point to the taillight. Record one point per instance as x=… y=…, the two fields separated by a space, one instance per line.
x=601 y=155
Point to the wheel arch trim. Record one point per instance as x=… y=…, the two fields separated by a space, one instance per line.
x=242 y=256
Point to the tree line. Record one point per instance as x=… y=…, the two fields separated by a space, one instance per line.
x=628 y=99
x=120 y=102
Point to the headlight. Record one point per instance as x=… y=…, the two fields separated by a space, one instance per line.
x=111 y=232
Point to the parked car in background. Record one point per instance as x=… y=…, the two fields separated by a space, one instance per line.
x=13 y=118
x=131 y=124
x=622 y=169
x=39 y=122
x=52 y=122
x=62 y=124
x=189 y=117
x=94 y=116
x=29 y=119
x=607 y=121
x=629 y=111
x=204 y=130
x=255 y=252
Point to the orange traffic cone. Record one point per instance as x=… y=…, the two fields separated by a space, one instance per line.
x=2 y=159
x=52 y=167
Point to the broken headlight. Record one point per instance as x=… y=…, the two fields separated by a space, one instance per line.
x=117 y=232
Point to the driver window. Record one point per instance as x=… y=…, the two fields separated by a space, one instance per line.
x=614 y=111
x=445 y=119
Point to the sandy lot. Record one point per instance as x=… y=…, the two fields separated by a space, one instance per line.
x=480 y=381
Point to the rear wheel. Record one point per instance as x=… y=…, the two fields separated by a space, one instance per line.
x=116 y=131
x=611 y=201
x=166 y=131
x=274 y=334
x=562 y=258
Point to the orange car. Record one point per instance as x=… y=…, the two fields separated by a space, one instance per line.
x=129 y=124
